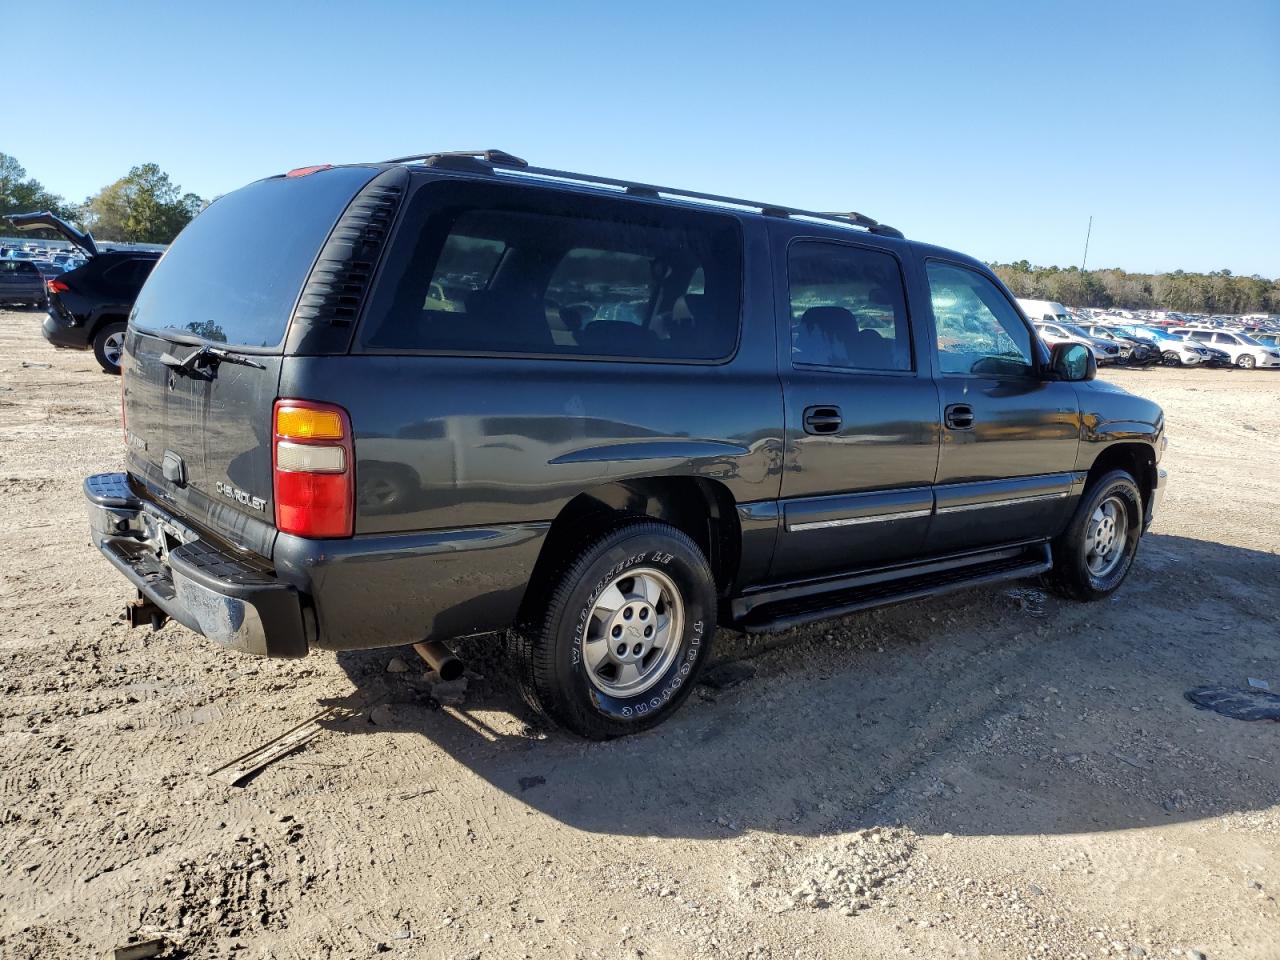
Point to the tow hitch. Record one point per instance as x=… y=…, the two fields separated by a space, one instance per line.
x=142 y=612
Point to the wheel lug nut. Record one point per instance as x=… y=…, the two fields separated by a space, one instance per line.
x=617 y=631
x=638 y=649
x=644 y=613
x=648 y=631
x=626 y=614
x=622 y=649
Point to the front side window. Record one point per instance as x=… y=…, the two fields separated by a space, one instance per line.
x=979 y=332
x=847 y=308
x=524 y=271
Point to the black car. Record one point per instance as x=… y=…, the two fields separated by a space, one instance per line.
x=89 y=305
x=21 y=284
x=453 y=395
x=1143 y=351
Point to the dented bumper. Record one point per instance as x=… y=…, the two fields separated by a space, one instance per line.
x=220 y=596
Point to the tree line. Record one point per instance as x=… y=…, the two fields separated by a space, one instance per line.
x=143 y=206
x=1218 y=292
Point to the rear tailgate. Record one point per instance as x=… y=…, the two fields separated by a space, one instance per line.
x=199 y=435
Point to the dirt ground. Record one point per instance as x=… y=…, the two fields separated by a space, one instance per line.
x=993 y=774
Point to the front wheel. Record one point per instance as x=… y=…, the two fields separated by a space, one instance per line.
x=625 y=626
x=1246 y=361
x=1092 y=558
x=108 y=346
x=1171 y=359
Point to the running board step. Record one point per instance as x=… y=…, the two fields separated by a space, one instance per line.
x=793 y=612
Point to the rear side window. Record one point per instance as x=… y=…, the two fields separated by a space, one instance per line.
x=479 y=269
x=233 y=275
x=847 y=308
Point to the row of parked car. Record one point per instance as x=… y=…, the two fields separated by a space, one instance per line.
x=1135 y=341
x=87 y=292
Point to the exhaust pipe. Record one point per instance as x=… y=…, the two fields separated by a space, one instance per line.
x=441 y=659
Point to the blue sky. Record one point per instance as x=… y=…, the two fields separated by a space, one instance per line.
x=995 y=128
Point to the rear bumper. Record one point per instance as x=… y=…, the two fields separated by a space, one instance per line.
x=62 y=335
x=207 y=590
x=15 y=293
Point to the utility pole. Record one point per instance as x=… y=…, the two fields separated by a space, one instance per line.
x=1088 y=234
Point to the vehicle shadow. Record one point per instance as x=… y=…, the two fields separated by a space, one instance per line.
x=996 y=711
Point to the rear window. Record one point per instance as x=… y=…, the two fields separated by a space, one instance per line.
x=130 y=273
x=233 y=275
x=24 y=267
x=480 y=269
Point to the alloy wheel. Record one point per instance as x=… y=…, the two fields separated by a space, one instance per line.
x=1106 y=536
x=632 y=635
x=113 y=348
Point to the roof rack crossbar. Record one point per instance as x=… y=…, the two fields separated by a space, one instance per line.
x=512 y=165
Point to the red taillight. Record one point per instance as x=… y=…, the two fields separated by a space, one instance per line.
x=314 y=469
x=56 y=286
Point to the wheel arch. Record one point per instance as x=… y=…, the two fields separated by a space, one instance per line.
x=703 y=509
x=1136 y=458
x=100 y=318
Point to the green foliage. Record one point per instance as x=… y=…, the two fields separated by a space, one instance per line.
x=1219 y=292
x=22 y=194
x=144 y=206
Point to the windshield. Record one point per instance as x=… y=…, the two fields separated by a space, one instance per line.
x=1072 y=329
x=233 y=275
x=1245 y=338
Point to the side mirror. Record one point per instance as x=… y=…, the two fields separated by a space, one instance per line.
x=1072 y=361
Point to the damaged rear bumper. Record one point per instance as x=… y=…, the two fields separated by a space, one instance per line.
x=206 y=589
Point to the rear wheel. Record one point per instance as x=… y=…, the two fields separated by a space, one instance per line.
x=1246 y=361
x=616 y=643
x=108 y=346
x=1092 y=558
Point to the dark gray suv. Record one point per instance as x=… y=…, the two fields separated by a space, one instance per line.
x=454 y=394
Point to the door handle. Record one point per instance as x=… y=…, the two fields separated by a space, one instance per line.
x=822 y=420
x=959 y=416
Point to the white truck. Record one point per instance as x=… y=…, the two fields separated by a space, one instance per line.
x=1044 y=311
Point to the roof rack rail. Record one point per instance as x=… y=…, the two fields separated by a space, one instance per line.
x=496 y=157
x=652 y=190
x=499 y=161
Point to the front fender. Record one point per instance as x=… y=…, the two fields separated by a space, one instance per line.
x=1109 y=416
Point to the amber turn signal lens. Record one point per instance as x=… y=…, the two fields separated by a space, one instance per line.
x=304 y=423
